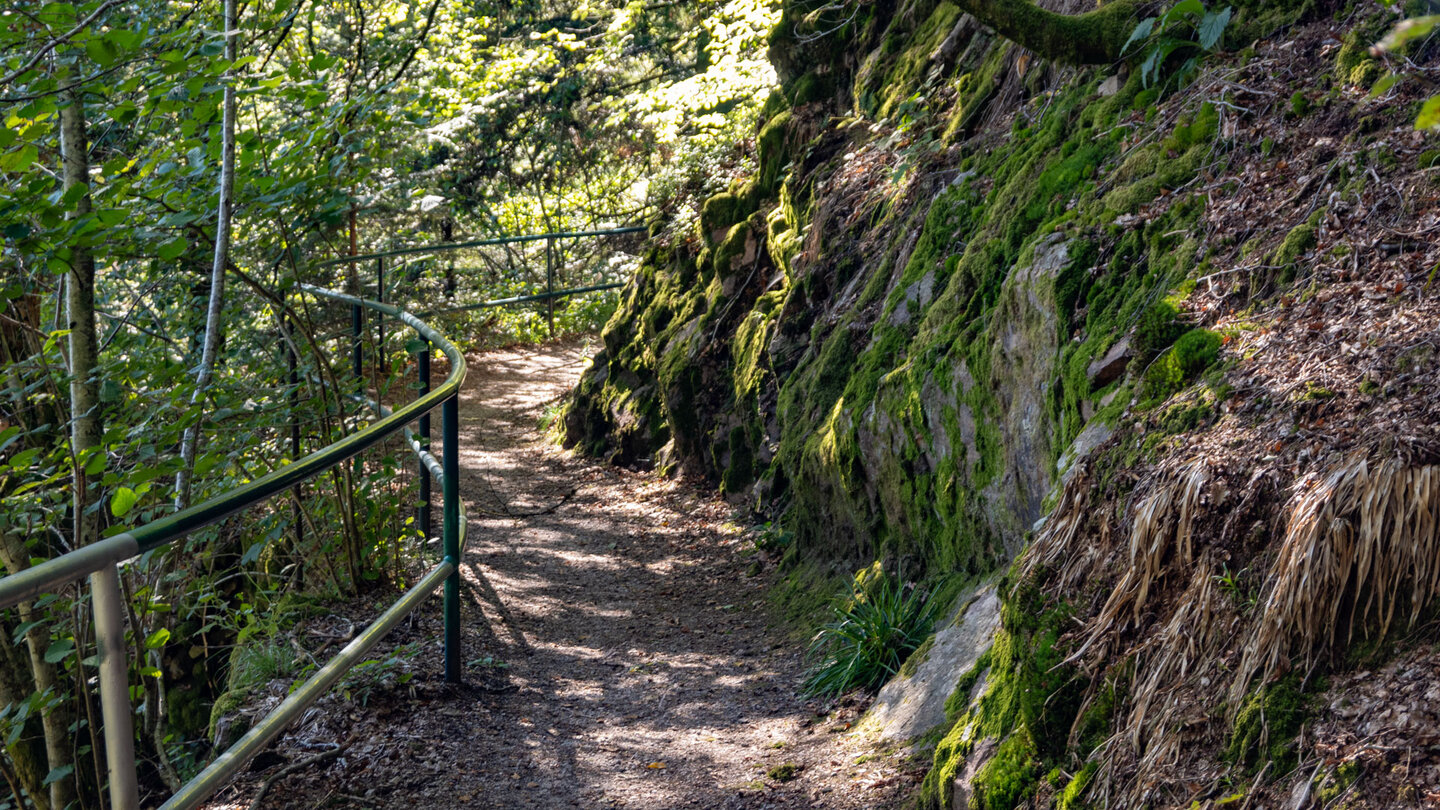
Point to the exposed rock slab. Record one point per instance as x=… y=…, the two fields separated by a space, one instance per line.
x=909 y=707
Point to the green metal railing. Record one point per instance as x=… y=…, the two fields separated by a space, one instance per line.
x=100 y=561
x=548 y=296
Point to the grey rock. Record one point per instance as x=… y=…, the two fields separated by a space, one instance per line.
x=1109 y=368
x=1094 y=435
x=909 y=707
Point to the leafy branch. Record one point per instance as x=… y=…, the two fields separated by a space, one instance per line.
x=1186 y=28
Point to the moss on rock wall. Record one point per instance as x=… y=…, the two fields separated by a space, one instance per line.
x=956 y=265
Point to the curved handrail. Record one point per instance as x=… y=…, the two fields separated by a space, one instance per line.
x=100 y=561
x=496 y=240
x=62 y=570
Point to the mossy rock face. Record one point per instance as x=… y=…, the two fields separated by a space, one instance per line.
x=887 y=348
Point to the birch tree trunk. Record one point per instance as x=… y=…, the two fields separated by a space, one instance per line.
x=190 y=444
x=85 y=427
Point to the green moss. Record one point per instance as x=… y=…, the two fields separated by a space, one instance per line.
x=904 y=76
x=1192 y=353
x=1157 y=330
x=1010 y=777
x=1071 y=795
x=1299 y=105
x=921 y=654
x=1152 y=169
x=720 y=212
x=1331 y=785
x=1299 y=241
x=783 y=772
x=1267 y=724
x=228 y=703
x=1428 y=159
x=804 y=595
x=1091 y=38
x=1353 y=61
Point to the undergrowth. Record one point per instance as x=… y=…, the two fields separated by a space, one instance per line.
x=870 y=637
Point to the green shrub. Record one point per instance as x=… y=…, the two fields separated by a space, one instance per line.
x=870 y=638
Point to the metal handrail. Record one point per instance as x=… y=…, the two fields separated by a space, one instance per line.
x=497 y=240
x=100 y=560
x=521 y=299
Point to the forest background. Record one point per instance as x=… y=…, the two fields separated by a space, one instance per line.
x=144 y=334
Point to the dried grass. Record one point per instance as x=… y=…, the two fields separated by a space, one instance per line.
x=1361 y=554
x=1162 y=530
x=1361 y=545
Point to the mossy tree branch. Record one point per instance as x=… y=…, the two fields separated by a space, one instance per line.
x=1093 y=38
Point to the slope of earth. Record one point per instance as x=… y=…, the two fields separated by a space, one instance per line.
x=617 y=652
x=1172 y=344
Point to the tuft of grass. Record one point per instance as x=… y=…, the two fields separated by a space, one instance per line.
x=870 y=638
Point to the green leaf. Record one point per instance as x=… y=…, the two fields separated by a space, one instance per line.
x=7 y=436
x=252 y=554
x=23 y=459
x=207 y=463
x=157 y=639
x=1429 y=117
x=20 y=159
x=59 y=773
x=1213 y=27
x=1408 y=30
x=123 y=501
x=96 y=463
x=1383 y=86
x=110 y=217
x=1179 y=10
x=172 y=249
x=59 y=650
x=102 y=51
x=1141 y=32
x=20 y=631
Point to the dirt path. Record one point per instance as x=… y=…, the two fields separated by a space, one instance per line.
x=623 y=658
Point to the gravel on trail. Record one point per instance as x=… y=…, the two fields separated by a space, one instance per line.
x=619 y=652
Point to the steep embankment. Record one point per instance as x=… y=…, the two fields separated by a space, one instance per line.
x=1182 y=343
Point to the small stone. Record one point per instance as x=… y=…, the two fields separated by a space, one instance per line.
x=1108 y=369
x=1110 y=86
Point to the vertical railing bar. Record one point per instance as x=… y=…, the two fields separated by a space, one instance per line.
x=115 y=688
x=423 y=518
x=450 y=419
x=550 y=283
x=379 y=364
x=357 y=361
x=292 y=362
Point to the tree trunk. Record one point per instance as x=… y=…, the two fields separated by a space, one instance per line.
x=189 y=445
x=85 y=428
x=1093 y=38
x=28 y=752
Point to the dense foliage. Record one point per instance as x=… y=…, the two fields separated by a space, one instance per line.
x=361 y=125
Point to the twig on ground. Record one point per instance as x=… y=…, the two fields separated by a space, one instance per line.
x=323 y=756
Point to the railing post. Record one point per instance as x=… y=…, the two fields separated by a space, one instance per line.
x=450 y=419
x=423 y=516
x=550 y=283
x=292 y=362
x=115 y=688
x=380 y=320
x=357 y=361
